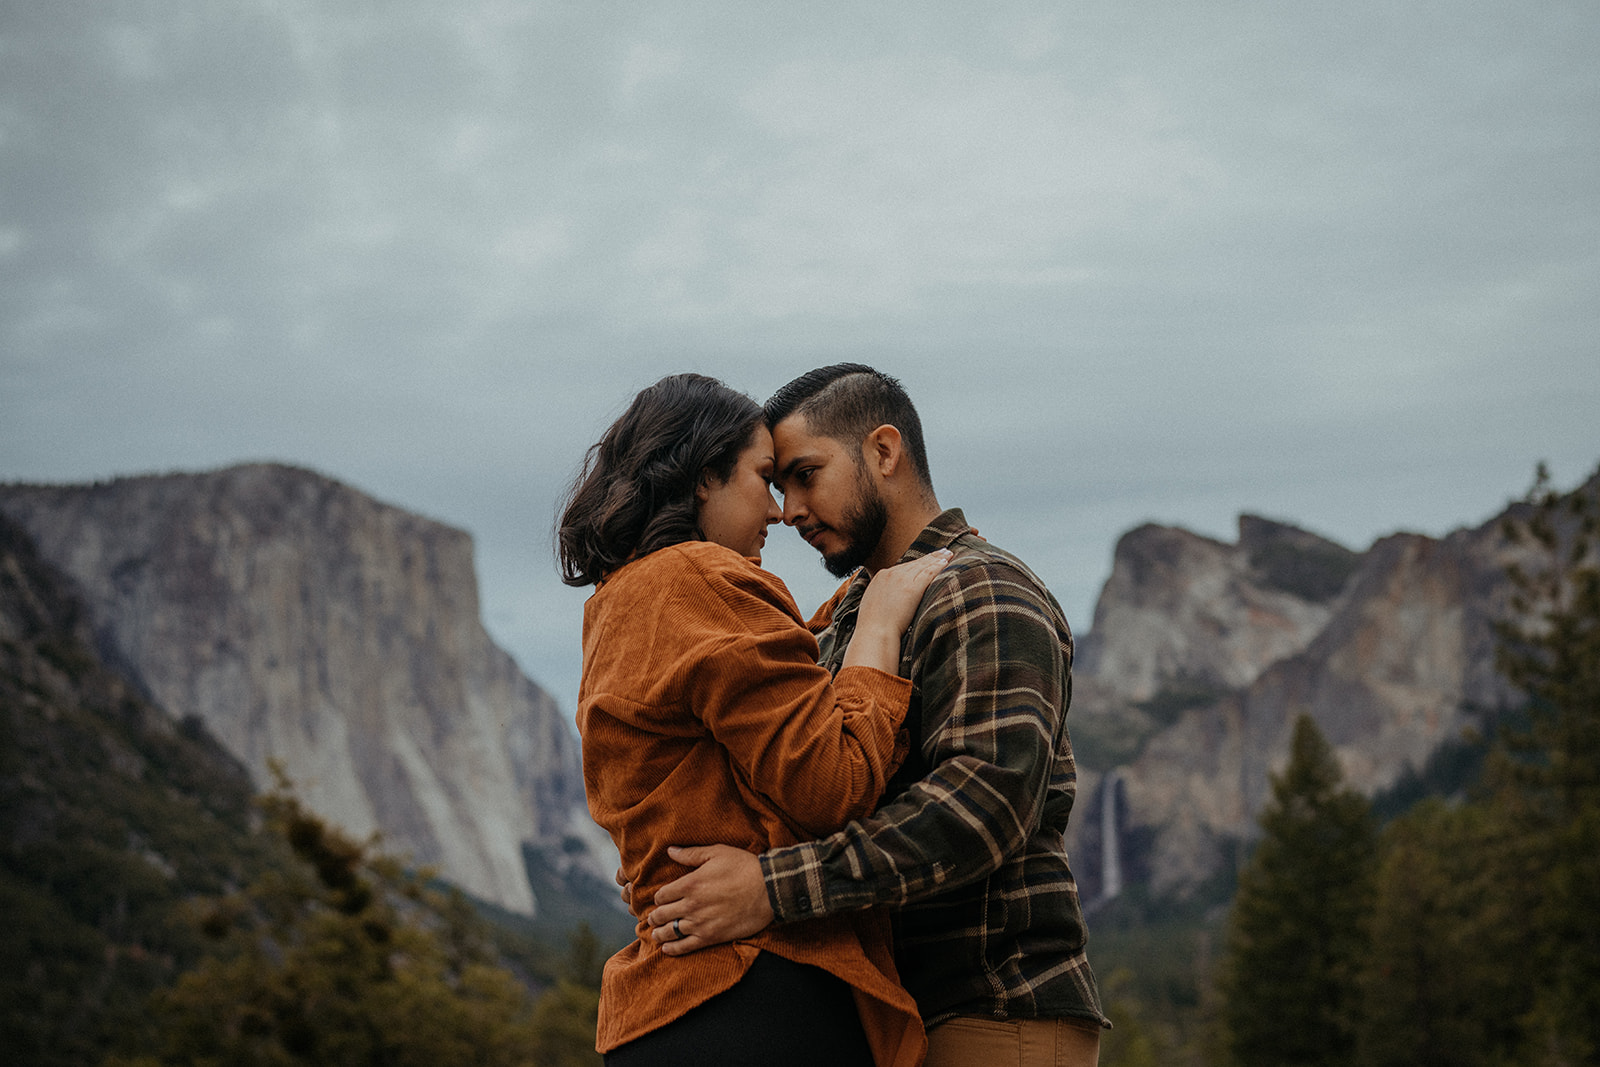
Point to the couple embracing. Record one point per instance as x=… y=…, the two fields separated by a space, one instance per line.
x=843 y=836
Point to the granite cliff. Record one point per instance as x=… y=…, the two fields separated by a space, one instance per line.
x=1184 y=611
x=1202 y=655
x=307 y=624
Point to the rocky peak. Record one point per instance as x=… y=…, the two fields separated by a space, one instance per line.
x=1182 y=610
x=308 y=624
x=1296 y=561
x=1390 y=651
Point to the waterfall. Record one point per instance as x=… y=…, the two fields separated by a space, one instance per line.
x=1110 y=847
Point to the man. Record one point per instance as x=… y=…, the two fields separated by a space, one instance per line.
x=968 y=847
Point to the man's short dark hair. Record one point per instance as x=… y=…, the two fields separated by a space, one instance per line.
x=847 y=401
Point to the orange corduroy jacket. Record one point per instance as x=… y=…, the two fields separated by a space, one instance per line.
x=706 y=719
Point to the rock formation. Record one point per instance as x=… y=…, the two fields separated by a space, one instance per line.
x=1203 y=654
x=1181 y=610
x=310 y=625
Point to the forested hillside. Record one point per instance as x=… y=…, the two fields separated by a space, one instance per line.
x=138 y=874
x=1449 y=922
x=111 y=816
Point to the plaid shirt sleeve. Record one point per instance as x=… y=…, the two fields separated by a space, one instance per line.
x=993 y=679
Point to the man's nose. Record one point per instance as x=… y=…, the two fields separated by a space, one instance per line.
x=794 y=510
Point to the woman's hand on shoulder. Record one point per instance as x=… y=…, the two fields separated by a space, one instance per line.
x=893 y=594
x=886 y=610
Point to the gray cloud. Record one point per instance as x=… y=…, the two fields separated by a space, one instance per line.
x=1136 y=261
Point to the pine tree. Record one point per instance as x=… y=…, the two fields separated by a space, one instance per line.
x=1486 y=945
x=1436 y=988
x=1548 y=779
x=341 y=957
x=567 y=1015
x=1299 y=927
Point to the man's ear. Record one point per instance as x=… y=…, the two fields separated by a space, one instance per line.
x=883 y=450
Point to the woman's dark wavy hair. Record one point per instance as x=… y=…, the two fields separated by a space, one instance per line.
x=635 y=492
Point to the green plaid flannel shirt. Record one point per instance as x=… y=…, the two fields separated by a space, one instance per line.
x=967 y=846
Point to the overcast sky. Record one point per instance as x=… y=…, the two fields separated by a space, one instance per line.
x=1135 y=260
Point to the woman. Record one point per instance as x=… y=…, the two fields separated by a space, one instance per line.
x=705 y=718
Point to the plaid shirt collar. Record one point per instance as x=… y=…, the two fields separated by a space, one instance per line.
x=942 y=532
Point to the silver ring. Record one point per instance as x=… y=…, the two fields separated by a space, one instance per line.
x=677 y=931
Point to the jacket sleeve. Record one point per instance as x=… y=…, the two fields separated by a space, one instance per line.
x=821 y=749
x=993 y=690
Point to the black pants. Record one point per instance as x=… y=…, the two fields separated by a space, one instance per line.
x=780 y=1014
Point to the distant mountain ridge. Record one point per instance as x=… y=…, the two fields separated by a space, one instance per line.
x=303 y=621
x=1203 y=654
x=307 y=623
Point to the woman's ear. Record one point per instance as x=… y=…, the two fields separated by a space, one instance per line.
x=702 y=489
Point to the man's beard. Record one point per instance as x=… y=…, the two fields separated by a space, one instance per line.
x=862 y=530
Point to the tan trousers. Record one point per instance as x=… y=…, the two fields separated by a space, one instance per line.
x=978 y=1042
